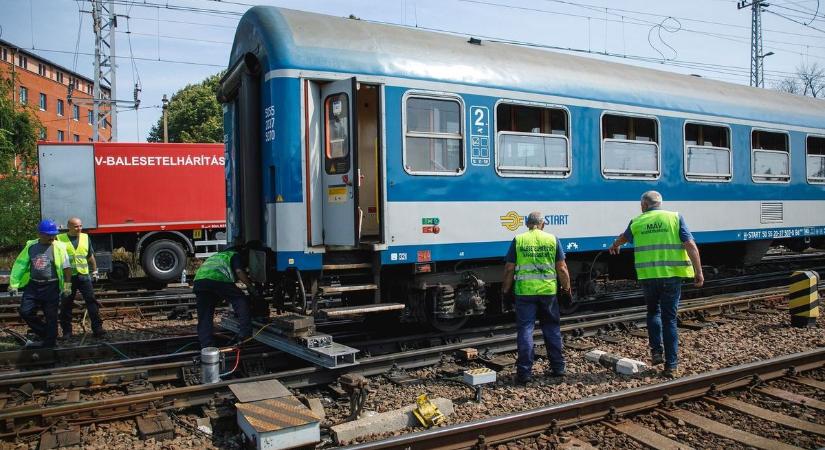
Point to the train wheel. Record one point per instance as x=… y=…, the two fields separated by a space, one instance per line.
x=163 y=260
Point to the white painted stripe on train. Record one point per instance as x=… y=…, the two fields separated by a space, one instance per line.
x=470 y=222
x=526 y=96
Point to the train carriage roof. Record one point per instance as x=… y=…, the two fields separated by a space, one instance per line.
x=289 y=39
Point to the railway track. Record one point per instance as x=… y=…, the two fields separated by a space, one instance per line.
x=170 y=384
x=622 y=411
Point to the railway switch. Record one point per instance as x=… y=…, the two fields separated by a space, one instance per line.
x=803 y=296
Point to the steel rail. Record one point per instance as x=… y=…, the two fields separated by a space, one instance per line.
x=31 y=419
x=526 y=423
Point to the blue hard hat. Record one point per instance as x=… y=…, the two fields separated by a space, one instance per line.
x=47 y=226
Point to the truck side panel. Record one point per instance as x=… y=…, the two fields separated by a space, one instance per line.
x=67 y=183
x=168 y=186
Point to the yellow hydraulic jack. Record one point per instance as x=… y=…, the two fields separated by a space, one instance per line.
x=427 y=413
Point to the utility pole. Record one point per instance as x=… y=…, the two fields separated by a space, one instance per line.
x=165 y=102
x=104 y=108
x=757 y=57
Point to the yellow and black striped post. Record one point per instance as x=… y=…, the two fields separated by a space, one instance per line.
x=804 y=298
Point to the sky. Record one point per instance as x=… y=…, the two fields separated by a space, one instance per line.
x=166 y=44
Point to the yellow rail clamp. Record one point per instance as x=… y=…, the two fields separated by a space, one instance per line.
x=426 y=412
x=804 y=298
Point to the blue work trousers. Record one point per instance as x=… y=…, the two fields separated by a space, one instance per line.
x=82 y=284
x=46 y=297
x=209 y=293
x=546 y=309
x=662 y=297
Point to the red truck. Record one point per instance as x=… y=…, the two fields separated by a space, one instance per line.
x=162 y=202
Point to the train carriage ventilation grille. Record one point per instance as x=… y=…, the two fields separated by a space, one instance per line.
x=772 y=212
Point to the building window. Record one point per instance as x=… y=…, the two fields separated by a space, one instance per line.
x=532 y=141
x=770 y=157
x=5 y=54
x=75 y=112
x=59 y=107
x=24 y=95
x=707 y=152
x=630 y=147
x=22 y=60
x=815 y=157
x=91 y=116
x=43 y=134
x=60 y=135
x=41 y=69
x=59 y=77
x=76 y=138
x=433 y=143
x=43 y=105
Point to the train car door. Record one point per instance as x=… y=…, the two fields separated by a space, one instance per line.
x=339 y=150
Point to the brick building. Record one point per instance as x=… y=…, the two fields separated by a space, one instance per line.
x=43 y=86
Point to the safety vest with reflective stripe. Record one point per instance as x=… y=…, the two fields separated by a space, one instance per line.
x=77 y=255
x=657 y=249
x=21 y=270
x=535 y=263
x=217 y=267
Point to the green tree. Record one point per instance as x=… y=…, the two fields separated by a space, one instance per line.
x=18 y=129
x=194 y=114
x=19 y=210
x=19 y=200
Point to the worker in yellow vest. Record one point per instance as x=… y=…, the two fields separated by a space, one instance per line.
x=84 y=271
x=43 y=271
x=535 y=264
x=664 y=254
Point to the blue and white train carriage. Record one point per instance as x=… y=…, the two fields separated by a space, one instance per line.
x=387 y=166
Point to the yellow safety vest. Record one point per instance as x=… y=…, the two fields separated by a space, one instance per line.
x=657 y=250
x=21 y=271
x=77 y=255
x=535 y=263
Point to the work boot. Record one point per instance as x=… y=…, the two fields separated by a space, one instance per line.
x=657 y=359
x=672 y=372
x=558 y=373
x=522 y=380
x=99 y=334
x=65 y=337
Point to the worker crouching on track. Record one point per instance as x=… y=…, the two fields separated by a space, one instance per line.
x=664 y=253
x=535 y=261
x=214 y=281
x=81 y=255
x=43 y=271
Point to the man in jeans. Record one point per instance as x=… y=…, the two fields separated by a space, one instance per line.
x=84 y=272
x=215 y=281
x=533 y=262
x=44 y=272
x=664 y=253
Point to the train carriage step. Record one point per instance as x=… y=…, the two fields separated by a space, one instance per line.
x=327 y=290
x=362 y=309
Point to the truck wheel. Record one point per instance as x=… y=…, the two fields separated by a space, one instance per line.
x=163 y=260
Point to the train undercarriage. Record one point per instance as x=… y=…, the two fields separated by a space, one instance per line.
x=446 y=295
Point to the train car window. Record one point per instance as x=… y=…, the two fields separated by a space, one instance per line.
x=336 y=111
x=433 y=136
x=707 y=152
x=815 y=157
x=532 y=141
x=630 y=147
x=770 y=156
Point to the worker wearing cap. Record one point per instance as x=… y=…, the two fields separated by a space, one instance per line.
x=43 y=271
x=82 y=257
x=664 y=254
x=536 y=263
x=214 y=281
